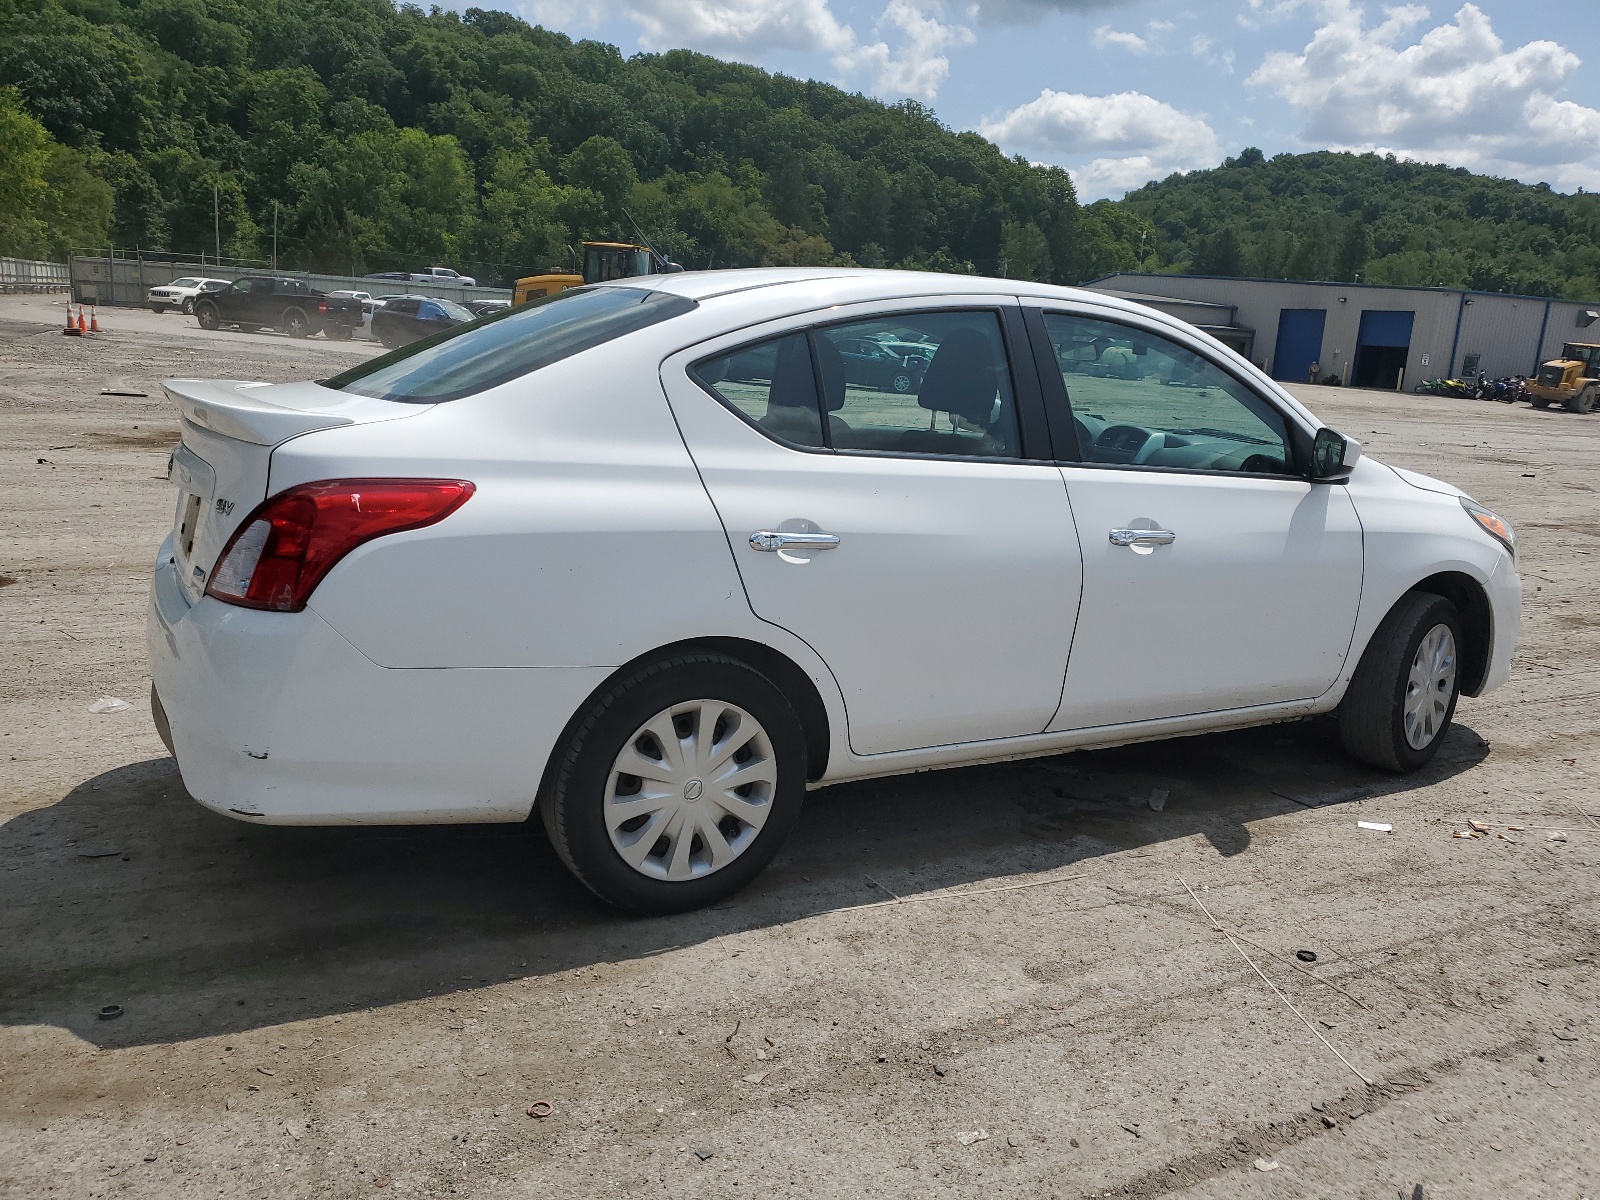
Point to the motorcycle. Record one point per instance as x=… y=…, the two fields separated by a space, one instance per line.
x=1446 y=387
x=1507 y=390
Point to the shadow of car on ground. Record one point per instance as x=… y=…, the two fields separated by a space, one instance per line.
x=127 y=892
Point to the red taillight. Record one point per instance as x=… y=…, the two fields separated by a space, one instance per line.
x=281 y=551
x=322 y=308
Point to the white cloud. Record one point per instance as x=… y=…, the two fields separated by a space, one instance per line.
x=1105 y=37
x=1455 y=95
x=907 y=56
x=1027 y=12
x=920 y=65
x=1158 y=26
x=748 y=27
x=1109 y=143
x=1204 y=49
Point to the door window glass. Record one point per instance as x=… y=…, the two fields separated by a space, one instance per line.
x=1141 y=400
x=919 y=383
x=771 y=385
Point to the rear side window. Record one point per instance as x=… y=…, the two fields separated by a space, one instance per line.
x=466 y=359
x=770 y=384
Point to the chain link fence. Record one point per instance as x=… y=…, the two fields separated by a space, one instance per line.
x=30 y=275
x=113 y=279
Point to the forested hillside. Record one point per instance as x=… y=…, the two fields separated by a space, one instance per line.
x=389 y=137
x=385 y=138
x=1340 y=216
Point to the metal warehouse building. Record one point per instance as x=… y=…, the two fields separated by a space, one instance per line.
x=1367 y=335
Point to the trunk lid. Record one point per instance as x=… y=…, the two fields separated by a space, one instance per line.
x=221 y=468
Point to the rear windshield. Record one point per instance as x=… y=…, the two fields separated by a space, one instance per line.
x=466 y=359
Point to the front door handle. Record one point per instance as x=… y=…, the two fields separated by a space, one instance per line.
x=774 y=542
x=1142 y=537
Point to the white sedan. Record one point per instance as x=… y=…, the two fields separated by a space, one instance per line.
x=638 y=559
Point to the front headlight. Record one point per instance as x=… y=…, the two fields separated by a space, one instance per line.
x=1495 y=526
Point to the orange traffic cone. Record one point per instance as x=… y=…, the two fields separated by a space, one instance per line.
x=83 y=326
x=94 y=320
x=70 y=326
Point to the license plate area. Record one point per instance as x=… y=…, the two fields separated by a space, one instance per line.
x=196 y=482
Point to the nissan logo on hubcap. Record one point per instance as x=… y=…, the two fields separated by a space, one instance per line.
x=692 y=789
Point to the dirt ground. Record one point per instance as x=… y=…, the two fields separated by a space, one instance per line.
x=349 y=1013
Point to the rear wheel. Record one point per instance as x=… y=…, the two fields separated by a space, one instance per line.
x=1583 y=402
x=337 y=333
x=208 y=316
x=902 y=381
x=678 y=785
x=1402 y=697
x=295 y=323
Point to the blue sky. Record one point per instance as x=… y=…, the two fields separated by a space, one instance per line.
x=1123 y=91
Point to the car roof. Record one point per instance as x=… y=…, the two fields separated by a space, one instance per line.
x=846 y=285
x=858 y=283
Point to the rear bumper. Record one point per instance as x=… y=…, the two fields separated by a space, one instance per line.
x=276 y=718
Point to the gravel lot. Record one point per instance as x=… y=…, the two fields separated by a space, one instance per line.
x=347 y=1013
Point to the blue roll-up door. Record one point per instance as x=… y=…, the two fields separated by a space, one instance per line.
x=1385 y=327
x=1299 y=342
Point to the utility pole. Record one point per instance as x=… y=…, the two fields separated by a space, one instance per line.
x=216 y=222
x=274 y=237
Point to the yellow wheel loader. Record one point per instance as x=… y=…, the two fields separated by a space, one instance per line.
x=602 y=261
x=1573 y=380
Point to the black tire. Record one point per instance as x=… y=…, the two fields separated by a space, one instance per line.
x=1583 y=402
x=208 y=316
x=1372 y=714
x=572 y=806
x=902 y=382
x=1539 y=401
x=295 y=323
x=337 y=333
x=161 y=308
x=188 y=307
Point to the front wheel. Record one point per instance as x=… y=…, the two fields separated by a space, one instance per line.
x=188 y=307
x=161 y=308
x=1539 y=401
x=208 y=316
x=678 y=785
x=1402 y=697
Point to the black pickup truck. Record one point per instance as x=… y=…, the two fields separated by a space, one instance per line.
x=257 y=302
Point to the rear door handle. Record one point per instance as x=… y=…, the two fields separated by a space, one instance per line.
x=1142 y=537
x=773 y=542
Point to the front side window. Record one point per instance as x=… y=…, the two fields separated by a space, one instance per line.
x=1139 y=399
x=183 y=283
x=469 y=358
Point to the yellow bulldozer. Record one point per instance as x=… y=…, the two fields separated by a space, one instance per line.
x=602 y=261
x=1573 y=380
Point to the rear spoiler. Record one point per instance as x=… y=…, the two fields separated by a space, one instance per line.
x=267 y=414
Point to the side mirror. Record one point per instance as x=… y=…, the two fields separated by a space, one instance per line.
x=1332 y=456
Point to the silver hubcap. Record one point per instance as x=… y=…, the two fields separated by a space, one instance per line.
x=1430 y=686
x=690 y=790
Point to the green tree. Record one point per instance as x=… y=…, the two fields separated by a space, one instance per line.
x=1024 y=252
x=603 y=167
x=50 y=199
x=1219 y=254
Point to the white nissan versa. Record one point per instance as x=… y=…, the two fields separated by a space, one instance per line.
x=653 y=557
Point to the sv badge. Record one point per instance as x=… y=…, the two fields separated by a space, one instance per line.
x=225 y=507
